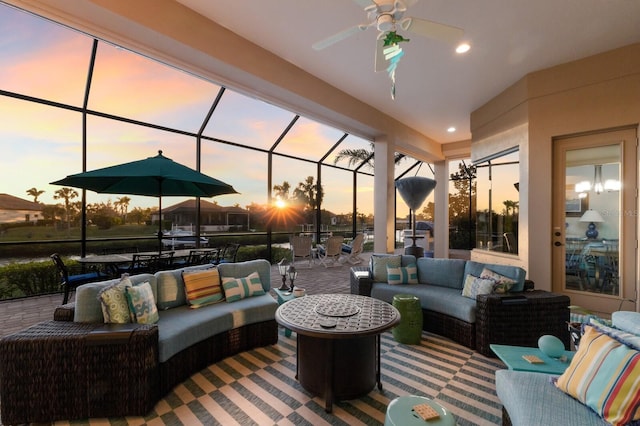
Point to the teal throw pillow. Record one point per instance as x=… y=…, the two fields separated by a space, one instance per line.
x=239 y=288
x=142 y=304
x=403 y=275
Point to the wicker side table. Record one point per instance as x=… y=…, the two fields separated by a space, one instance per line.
x=520 y=319
x=59 y=370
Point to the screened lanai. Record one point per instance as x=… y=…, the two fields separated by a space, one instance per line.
x=72 y=102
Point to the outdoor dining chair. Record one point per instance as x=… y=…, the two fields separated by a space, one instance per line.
x=200 y=257
x=69 y=282
x=227 y=254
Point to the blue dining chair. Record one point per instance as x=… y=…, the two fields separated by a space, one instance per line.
x=70 y=282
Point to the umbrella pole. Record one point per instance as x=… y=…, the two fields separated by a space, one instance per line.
x=160 y=220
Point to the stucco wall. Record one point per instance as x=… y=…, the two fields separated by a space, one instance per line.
x=598 y=92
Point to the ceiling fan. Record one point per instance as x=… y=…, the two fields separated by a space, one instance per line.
x=388 y=17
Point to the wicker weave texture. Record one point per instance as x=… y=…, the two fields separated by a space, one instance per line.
x=506 y=321
x=53 y=371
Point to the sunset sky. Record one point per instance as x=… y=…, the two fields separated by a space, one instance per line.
x=42 y=143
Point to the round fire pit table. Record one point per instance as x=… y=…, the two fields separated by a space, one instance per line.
x=338 y=339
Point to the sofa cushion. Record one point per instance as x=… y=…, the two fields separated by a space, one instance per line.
x=88 y=307
x=442 y=272
x=473 y=286
x=627 y=321
x=531 y=399
x=202 y=287
x=240 y=288
x=604 y=374
x=403 y=274
x=514 y=272
x=170 y=293
x=444 y=300
x=142 y=304
x=113 y=299
x=181 y=327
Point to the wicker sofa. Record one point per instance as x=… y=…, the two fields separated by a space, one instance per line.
x=518 y=317
x=77 y=367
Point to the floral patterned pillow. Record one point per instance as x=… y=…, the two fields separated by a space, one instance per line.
x=113 y=300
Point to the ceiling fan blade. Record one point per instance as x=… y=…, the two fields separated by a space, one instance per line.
x=364 y=3
x=432 y=29
x=338 y=37
x=380 y=62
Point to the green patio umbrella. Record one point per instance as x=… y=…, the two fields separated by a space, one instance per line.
x=157 y=176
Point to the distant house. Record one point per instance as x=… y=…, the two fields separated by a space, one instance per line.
x=213 y=217
x=16 y=210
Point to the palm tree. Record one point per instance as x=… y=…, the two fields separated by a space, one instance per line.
x=309 y=193
x=359 y=156
x=282 y=191
x=123 y=204
x=66 y=194
x=35 y=193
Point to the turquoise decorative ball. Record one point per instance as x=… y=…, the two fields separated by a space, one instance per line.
x=551 y=346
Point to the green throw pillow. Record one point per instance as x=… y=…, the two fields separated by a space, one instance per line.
x=113 y=300
x=379 y=265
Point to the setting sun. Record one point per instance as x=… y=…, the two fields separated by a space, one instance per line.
x=280 y=203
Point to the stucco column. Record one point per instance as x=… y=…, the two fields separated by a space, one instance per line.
x=441 y=210
x=383 y=198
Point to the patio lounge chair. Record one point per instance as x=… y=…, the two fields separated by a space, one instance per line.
x=301 y=248
x=354 y=250
x=330 y=253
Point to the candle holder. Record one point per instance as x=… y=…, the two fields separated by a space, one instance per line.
x=293 y=274
x=283 y=267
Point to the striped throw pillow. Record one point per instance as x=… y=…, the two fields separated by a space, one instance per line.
x=240 y=288
x=604 y=374
x=202 y=287
x=402 y=275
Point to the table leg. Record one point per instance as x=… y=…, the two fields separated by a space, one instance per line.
x=378 y=365
x=328 y=386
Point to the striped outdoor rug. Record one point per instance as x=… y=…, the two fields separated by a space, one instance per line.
x=258 y=387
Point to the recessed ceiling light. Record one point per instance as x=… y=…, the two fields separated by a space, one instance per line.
x=451 y=129
x=463 y=48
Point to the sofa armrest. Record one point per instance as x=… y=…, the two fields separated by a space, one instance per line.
x=64 y=312
x=529 y=285
x=361 y=280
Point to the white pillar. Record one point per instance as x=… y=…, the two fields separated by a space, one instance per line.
x=441 y=211
x=383 y=198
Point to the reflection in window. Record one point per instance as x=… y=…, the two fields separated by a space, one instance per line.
x=497 y=203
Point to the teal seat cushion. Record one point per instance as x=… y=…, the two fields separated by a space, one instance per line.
x=514 y=272
x=445 y=300
x=532 y=400
x=181 y=327
x=441 y=272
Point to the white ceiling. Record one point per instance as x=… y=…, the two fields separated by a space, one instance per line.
x=436 y=88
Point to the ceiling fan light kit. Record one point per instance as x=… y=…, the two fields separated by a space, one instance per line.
x=387 y=16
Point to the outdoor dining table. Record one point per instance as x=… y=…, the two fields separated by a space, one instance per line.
x=109 y=262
